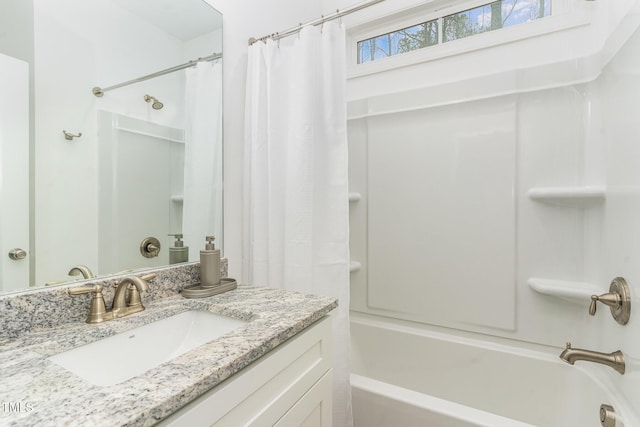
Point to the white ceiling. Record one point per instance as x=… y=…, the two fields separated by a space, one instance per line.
x=184 y=19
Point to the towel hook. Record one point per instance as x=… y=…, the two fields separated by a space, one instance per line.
x=69 y=136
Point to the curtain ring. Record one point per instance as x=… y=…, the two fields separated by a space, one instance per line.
x=339 y=17
x=299 y=29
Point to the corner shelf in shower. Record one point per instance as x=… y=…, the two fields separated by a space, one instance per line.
x=177 y=199
x=577 y=292
x=576 y=197
x=354 y=197
x=354 y=266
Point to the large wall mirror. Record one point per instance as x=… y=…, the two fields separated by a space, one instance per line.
x=88 y=182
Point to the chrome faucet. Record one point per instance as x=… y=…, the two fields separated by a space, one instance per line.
x=614 y=360
x=81 y=269
x=120 y=307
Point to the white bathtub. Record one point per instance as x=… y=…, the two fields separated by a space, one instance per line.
x=405 y=376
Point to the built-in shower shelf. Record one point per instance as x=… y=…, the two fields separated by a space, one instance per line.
x=354 y=197
x=578 y=292
x=177 y=199
x=577 y=197
x=354 y=266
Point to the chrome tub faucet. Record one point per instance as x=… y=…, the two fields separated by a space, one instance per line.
x=614 y=360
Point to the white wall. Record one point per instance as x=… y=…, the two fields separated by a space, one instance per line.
x=16 y=21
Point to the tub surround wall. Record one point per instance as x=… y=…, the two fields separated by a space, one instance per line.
x=52 y=307
x=574 y=204
x=423 y=156
x=436 y=196
x=57 y=397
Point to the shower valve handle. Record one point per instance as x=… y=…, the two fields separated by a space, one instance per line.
x=610 y=299
x=618 y=299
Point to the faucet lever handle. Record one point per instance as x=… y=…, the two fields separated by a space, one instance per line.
x=98 y=312
x=593 y=305
x=611 y=299
x=148 y=276
x=618 y=299
x=145 y=277
x=86 y=289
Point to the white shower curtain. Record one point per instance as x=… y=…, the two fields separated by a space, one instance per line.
x=296 y=209
x=202 y=208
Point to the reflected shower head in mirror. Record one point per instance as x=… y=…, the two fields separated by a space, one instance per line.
x=156 y=105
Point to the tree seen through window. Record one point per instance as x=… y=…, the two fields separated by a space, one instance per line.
x=489 y=17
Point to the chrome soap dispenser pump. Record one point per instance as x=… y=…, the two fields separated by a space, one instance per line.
x=209 y=264
x=179 y=252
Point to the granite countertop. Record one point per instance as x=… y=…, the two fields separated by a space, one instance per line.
x=38 y=392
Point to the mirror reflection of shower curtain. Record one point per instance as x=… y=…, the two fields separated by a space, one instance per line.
x=203 y=157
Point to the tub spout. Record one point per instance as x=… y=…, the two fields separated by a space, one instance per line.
x=614 y=360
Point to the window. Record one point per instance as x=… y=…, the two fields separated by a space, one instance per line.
x=488 y=17
x=400 y=41
x=493 y=16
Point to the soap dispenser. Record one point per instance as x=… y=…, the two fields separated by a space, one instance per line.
x=210 y=264
x=179 y=252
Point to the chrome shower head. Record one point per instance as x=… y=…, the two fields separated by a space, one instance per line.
x=156 y=105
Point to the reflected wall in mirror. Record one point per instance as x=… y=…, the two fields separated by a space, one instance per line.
x=92 y=199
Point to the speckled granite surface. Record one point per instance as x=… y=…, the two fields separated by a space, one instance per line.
x=36 y=392
x=52 y=306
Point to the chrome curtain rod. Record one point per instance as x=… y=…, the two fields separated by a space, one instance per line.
x=98 y=91
x=338 y=14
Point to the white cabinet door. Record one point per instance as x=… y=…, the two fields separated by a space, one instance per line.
x=290 y=386
x=14 y=173
x=313 y=409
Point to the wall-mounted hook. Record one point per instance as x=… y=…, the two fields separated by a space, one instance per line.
x=69 y=136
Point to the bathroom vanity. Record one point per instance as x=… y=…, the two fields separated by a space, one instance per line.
x=290 y=386
x=275 y=369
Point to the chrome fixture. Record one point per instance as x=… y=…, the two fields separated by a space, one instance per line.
x=69 y=136
x=120 y=307
x=157 y=105
x=618 y=298
x=614 y=360
x=99 y=92
x=607 y=416
x=150 y=247
x=81 y=270
x=17 y=254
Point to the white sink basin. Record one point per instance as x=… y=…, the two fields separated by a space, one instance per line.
x=117 y=358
